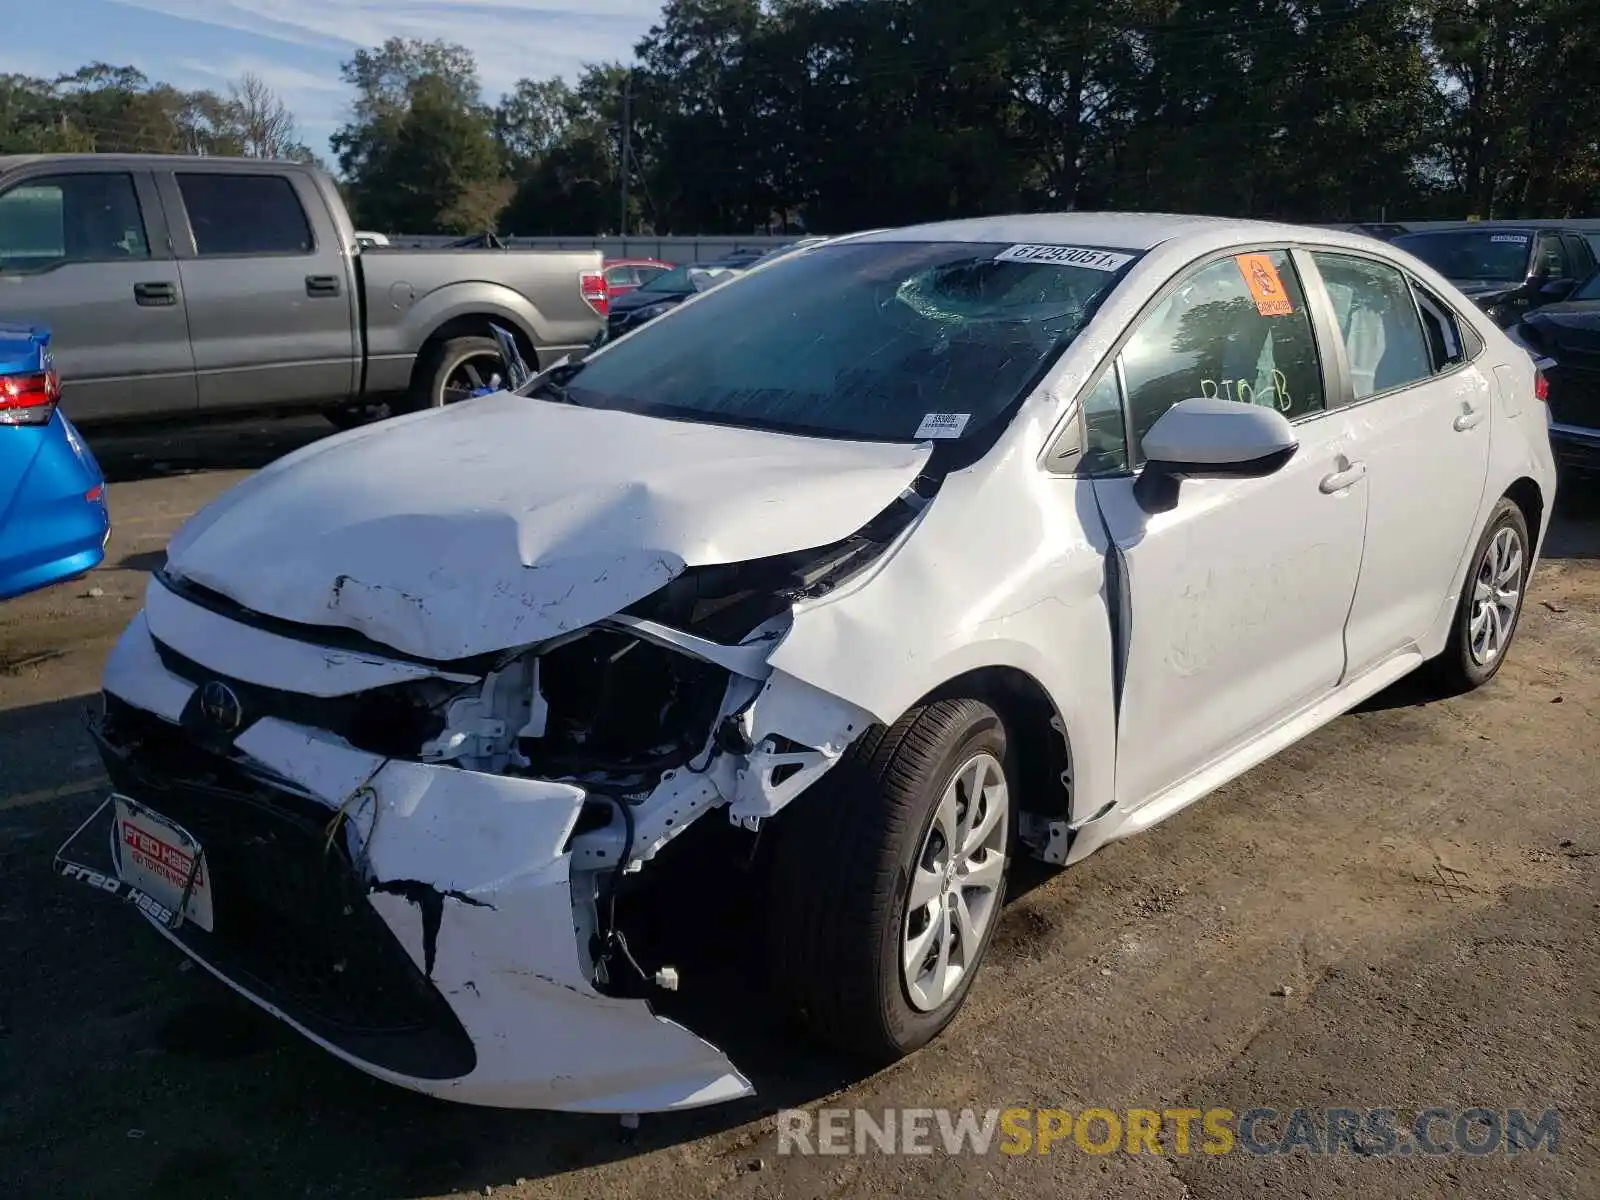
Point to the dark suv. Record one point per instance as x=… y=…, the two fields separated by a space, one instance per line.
x=1507 y=268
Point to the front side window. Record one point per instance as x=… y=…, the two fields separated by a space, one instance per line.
x=878 y=341
x=1578 y=254
x=1383 y=335
x=1554 y=261
x=56 y=219
x=1236 y=329
x=1105 y=433
x=234 y=215
x=1473 y=255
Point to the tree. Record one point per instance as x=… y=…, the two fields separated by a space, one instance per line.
x=419 y=152
x=262 y=123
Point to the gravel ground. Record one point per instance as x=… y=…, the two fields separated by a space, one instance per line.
x=1401 y=911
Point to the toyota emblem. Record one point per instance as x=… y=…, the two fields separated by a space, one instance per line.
x=220 y=705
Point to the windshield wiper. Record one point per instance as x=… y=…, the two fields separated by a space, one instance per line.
x=553 y=380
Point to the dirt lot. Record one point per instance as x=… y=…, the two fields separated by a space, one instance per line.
x=1403 y=911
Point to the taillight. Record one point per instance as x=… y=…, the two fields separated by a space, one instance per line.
x=1541 y=387
x=29 y=399
x=593 y=286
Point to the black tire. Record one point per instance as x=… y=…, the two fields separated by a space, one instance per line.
x=1458 y=669
x=438 y=364
x=353 y=416
x=841 y=873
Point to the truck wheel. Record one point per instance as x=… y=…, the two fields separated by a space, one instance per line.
x=888 y=879
x=452 y=371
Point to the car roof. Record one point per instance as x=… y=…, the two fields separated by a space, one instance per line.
x=1128 y=231
x=1497 y=227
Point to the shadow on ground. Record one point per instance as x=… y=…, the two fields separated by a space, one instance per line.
x=127 y=453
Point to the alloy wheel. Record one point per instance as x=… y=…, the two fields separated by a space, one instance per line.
x=955 y=884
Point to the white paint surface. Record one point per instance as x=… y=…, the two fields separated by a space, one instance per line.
x=1245 y=617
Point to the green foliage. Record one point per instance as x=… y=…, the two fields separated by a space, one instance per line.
x=420 y=152
x=109 y=109
x=846 y=114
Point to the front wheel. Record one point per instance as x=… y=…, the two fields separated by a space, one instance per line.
x=889 y=877
x=1491 y=602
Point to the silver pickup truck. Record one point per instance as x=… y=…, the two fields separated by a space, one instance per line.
x=188 y=285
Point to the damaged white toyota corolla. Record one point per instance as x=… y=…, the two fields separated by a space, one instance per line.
x=906 y=554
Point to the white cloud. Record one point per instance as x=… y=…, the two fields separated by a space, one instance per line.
x=281 y=77
x=510 y=38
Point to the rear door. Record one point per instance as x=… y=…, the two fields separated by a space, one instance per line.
x=270 y=312
x=84 y=250
x=1421 y=410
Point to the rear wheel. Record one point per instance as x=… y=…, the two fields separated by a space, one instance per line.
x=1491 y=602
x=889 y=879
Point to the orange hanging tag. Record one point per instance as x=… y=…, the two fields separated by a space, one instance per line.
x=1266 y=289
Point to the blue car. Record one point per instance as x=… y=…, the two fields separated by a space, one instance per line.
x=53 y=520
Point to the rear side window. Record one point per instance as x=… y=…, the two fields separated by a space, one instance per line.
x=56 y=219
x=1383 y=335
x=621 y=276
x=1450 y=342
x=234 y=215
x=1236 y=329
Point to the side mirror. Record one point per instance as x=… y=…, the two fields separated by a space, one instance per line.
x=1558 y=289
x=1211 y=438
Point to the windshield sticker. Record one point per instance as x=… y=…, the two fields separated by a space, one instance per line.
x=1066 y=256
x=943 y=425
x=1266 y=289
x=1520 y=238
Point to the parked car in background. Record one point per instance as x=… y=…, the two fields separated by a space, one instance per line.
x=625 y=274
x=890 y=562
x=53 y=518
x=1565 y=337
x=1507 y=268
x=179 y=285
x=666 y=291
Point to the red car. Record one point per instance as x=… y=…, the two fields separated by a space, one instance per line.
x=625 y=274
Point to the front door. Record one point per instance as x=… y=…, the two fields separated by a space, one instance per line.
x=1424 y=412
x=1235 y=599
x=84 y=252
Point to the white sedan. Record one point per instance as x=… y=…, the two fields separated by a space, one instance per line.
x=910 y=552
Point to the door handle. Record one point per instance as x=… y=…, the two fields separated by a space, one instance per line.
x=1340 y=480
x=155 y=295
x=1469 y=417
x=322 y=285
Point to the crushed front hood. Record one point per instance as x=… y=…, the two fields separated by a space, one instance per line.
x=506 y=520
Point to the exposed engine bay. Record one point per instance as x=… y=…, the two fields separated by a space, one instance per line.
x=662 y=712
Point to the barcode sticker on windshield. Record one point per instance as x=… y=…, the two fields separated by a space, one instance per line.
x=943 y=425
x=1509 y=237
x=1066 y=256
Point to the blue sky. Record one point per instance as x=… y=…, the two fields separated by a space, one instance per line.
x=297 y=45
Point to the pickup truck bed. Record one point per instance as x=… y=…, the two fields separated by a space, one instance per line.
x=183 y=285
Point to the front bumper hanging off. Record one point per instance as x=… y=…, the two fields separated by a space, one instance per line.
x=415 y=920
